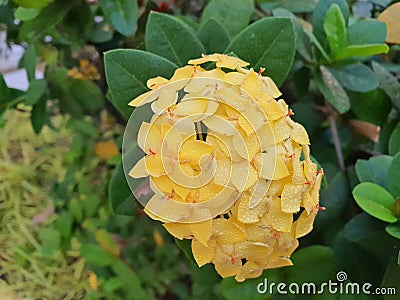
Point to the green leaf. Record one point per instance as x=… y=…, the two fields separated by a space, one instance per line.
x=392 y=179
x=26 y=14
x=269 y=43
x=121 y=197
x=95 y=255
x=28 y=61
x=123 y=14
x=5 y=92
x=364 y=32
x=384 y=136
x=303 y=44
x=375 y=200
x=38 y=115
x=130 y=279
x=35 y=90
x=298 y=6
x=50 y=241
x=333 y=92
x=234 y=15
x=213 y=36
x=362 y=50
x=47 y=18
x=247 y=290
x=88 y=94
x=372 y=107
x=335 y=29
x=101 y=33
x=185 y=246
x=318 y=17
x=356 y=77
x=362 y=248
x=394 y=141
x=127 y=72
x=393 y=230
x=169 y=37
x=76 y=210
x=391 y=277
x=33 y=3
x=388 y=83
x=312 y=264
x=374 y=170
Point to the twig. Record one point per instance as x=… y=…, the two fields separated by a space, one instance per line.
x=335 y=137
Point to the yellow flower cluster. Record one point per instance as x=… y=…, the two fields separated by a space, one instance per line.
x=229 y=168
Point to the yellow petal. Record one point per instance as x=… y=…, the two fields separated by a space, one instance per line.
x=291 y=198
x=154 y=165
x=226 y=232
x=278 y=219
x=304 y=224
x=226 y=265
x=266 y=136
x=154 y=83
x=270 y=87
x=144 y=98
x=149 y=138
x=192 y=150
x=234 y=78
x=244 y=175
x=251 y=84
x=271 y=166
x=299 y=134
x=249 y=270
x=221 y=124
x=246 y=146
x=139 y=170
x=161 y=184
x=259 y=192
x=232 y=97
x=179 y=230
x=279 y=263
x=282 y=130
x=202 y=231
x=271 y=108
x=249 y=215
x=203 y=254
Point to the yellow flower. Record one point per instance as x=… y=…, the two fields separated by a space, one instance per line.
x=228 y=167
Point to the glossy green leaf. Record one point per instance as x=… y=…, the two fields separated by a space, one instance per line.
x=332 y=90
x=335 y=29
x=356 y=77
x=121 y=197
x=28 y=62
x=394 y=141
x=269 y=43
x=372 y=107
x=213 y=36
x=393 y=230
x=362 y=50
x=35 y=90
x=298 y=6
x=362 y=247
x=234 y=15
x=38 y=115
x=303 y=44
x=127 y=72
x=169 y=37
x=374 y=169
x=130 y=279
x=33 y=3
x=312 y=264
x=26 y=14
x=318 y=17
x=388 y=83
x=370 y=31
x=392 y=179
x=123 y=14
x=375 y=200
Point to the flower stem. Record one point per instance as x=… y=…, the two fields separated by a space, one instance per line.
x=199 y=133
